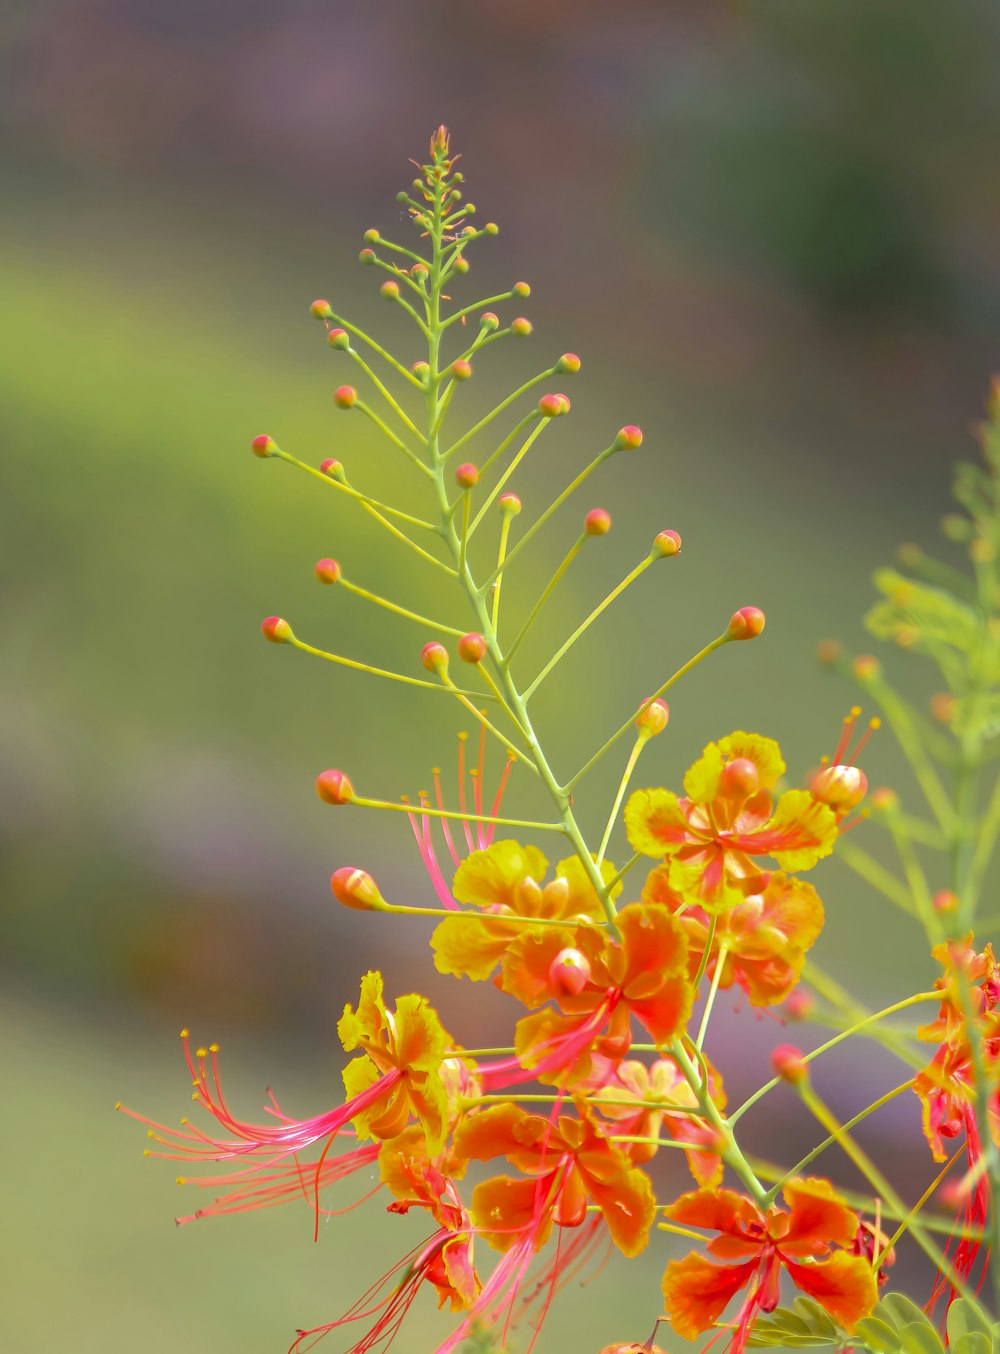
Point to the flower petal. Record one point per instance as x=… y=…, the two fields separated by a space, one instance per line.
x=505 y=1209
x=655 y=822
x=818 y=1218
x=763 y=752
x=418 y=1040
x=701 y=784
x=369 y=1020
x=800 y=832
x=696 y=1292
x=527 y=961
x=844 y=1285
x=488 y=877
x=716 y=1210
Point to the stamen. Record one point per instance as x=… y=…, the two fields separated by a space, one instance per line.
x=461 y=786
x=495 y=810
x=446 y=830
x=845 y=737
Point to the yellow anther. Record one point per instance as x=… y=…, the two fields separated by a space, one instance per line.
x=146 y=1152
x=213 y=1048
x=875 y=722
x=184 y=1121
x=855 y=711
x=435 y=771
x=194 y=1095
x=181 y=1180
x=202 y=1053
x=118 y=1104
x=185 y=1034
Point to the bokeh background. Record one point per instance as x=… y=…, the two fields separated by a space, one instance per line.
x=770 y=231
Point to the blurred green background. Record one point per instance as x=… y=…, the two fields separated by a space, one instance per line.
x=770 y=232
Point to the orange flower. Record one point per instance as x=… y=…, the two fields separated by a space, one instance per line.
x=405 y=1049
x=503 y=880
x=564 y=1164
x=765 y=936
x=727 y=819
x=757 y=1246
x=644 y=975
x=672 y=1097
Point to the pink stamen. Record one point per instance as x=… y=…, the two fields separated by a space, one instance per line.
x=444 y=821
x=845 y=734
x=498 y=799
x=461 y=787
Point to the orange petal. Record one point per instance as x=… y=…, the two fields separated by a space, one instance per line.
x=418 y=1041
x=505 y=1209
x=716 y=1210
x=655 y=822
x=763 y=752
x=696 y=1292
x=496 y=1131
x=527 y=962
x=844 y=1285
x=546 y=1033
x=819 y=1218
x=429 y=1102
x=488 y=877
x=654 y=942
x=369 y=1020
x=628 y=1204
x=583 y=899
x=800 y=832
x=666 y=1012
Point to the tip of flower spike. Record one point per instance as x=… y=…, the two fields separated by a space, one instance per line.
x=390 y=290
x=666 y=545
x=628 y=438
x=331 y=466
x=461 y=369
x=277 y=630
x=597 y=522
x=653 y=718
x=521 y=327
x=434 y=657
x=747 y=623
x=472 y=648
x=356 y=889
x=321 y=310
x=333 y=787
x=510 y=503
x=466 y=476
x=339 y=339
x=263 y=445
x=489 y=321
x=327 y=570
x=553 y=406
x=345 y=397
x=569 y=972
x=788 y=1063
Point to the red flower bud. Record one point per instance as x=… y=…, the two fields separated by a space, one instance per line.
x=866 y=667
x=569 y=972
x=367 y=257
x=945 y=900
x=943 y=705
x=333 y=787
x=667 y=544
x=653 y=719
x=460 y=369
x=356 y=889
x=828 y=651
x=740 y=779
x=521 y=327
x=510 y=503
x=597 y=522
x=489 y=320
x=570 y=363
x=521 y=289
x=420 y=370
x=466 y=476
x=471 y=648
x=628 y=438
x=331 y=466
x=840 y=786
x=747 y=623
x=275 y=629
x=262 y=446
x=551 y=406
x=434 y=657
x=390 y=290
x=344 y=397
x=789 y=1064
x=461 y=264
x=339 y=338
x=320 y=310
x=327 y=571
x=800 y=1004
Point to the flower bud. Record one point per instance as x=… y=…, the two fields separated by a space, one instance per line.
x=461 y=264
x=569 y=363
x=339 y=339
x=491 y=228
x=666 y=544
x=885 y=799
x=331 y=466
x=327 y=570
x=521 y=289
x=466 y=476
x=789 y=1064
x=434 y=657
x=631 y=1347
x=419 y=271
x=945 y=900
x=420 y=370
x=333 y=787
x=262 y=446
x=597 y=522
x=739 y=779
x=367 y=257
x=390 y=290
x=800 y=1004
x=866 y=667
x=461 y=369
x=356 y=889
x=552 y=406
x=372 y=236
x=943 y=706
x=839 y=786
x=489 y=320
x=344 y=397
x=277 y=630
x=747 y=623
x=628 y=438
x=510 y=503
x=828 y=651
x=521 y=327
x=569 y=972
x=653 y=718
x=956 y=527
x=320 y=310
x=471 y=648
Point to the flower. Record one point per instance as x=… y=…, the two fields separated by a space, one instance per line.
x=761 y=941
x=728 y=818
x=696 y=1292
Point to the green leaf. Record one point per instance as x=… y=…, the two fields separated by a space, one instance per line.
x=815 y=1317
x=877 y=1335
x=920 y=1337
x=965 y=1316
x=899 y=1311
x=971 y=1342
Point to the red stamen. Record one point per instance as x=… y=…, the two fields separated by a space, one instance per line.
x=436 y=773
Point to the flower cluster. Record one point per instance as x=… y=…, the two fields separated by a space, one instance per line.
x=531 y=1159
